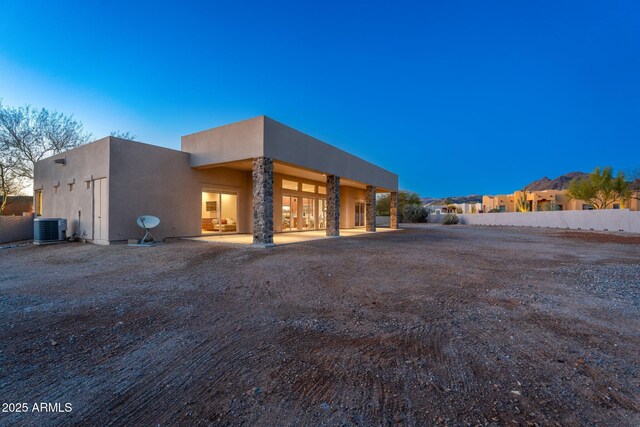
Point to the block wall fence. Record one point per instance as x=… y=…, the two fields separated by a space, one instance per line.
x=598 y=220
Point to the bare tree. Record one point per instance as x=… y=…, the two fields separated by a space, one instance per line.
x=9 y=185
x=28 y=135
x=124 y=135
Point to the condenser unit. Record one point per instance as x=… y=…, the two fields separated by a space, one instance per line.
x=49 y=230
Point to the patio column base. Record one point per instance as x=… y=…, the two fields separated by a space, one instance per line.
x=393 y=211
x=262 y=201
x=370 y=210
x=333 y=205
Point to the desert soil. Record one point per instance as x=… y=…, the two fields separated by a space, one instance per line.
x=431 y=325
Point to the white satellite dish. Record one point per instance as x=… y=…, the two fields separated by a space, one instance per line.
x=147 y=222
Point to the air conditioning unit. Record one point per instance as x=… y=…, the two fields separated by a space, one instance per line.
x=49 y=230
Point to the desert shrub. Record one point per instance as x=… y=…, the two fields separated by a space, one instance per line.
x=450 y=218
x=494 y=211
x=414 y=213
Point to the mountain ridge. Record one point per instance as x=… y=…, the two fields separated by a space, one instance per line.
x=544 y=183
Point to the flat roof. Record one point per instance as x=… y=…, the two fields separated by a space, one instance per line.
x=262 y=136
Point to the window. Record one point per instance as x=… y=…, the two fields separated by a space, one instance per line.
x=289 y=185
x=616 y=206
x=359 y=214
x=322 y=190
x=309 y=188
x=322 y=213
x=586 y=207
x=503 y=208
x=289 y=213
x=219 y=212
x=559 y=207
x=38 y=202
x=308 y=217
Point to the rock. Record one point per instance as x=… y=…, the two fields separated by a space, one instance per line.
x=254 y=391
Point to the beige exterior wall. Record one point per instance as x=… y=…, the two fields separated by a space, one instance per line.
x=83 y=165
x=294 y=147
x=348 y=198
x=141 y=179
x=150 y=180
x=236 y=141
x=262 y=136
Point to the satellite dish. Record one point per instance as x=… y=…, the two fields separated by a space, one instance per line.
x=147 y=222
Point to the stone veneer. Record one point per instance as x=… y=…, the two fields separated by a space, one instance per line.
x=393 y=211
x=333 y=205
x=370 y=211
x=262 y=201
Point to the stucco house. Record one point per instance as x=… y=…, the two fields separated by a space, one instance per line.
x=549 y=200
x=255 y=176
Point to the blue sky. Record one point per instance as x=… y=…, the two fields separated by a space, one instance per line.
x=456 y=97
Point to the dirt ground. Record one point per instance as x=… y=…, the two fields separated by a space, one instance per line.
x=436 y=325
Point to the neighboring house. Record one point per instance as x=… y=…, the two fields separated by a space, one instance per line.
x=468 y=208
x=255 y=176
x=435 y=208
x=18 y=205
x=465 y=208
x=547 y=200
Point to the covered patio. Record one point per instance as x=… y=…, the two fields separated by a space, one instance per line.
x=285 y=238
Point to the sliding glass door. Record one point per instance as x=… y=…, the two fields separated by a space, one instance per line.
x=322 y=214
x=289 y=213
x=219 y=212
x=308 y=214
x=359 y=214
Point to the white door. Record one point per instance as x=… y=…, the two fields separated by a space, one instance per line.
x=100 y=209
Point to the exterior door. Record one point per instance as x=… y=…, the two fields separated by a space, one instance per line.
x=359 y=222
x=219 y=212
x=308 y=218
x=289 y=213
x=100 y=209
x=322 y=214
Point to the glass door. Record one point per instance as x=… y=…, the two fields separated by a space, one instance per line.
x=359 y=220
x=308 y=216
x=289 y=213
x=322 y=214
x=219 y=212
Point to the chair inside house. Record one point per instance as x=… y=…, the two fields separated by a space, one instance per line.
x=221 y=225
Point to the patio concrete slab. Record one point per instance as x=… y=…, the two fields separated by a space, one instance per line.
x=285 y=238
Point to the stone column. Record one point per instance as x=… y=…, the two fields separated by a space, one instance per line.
x=263 y=201
x=333 y=205
x=370 y=221
x=393 y=210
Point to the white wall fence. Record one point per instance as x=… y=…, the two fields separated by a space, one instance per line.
x=14 y=228
x=602 y=220
x=383 y=221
